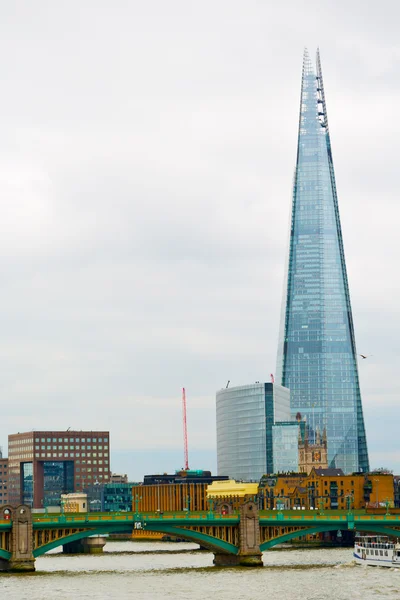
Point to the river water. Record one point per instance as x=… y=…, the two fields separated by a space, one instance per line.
x=161 y=570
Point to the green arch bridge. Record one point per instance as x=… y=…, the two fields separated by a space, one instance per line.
x=236 y=538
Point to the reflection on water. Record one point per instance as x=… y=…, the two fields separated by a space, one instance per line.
x=161 y=570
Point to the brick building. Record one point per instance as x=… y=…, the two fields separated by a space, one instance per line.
x=3 y=480
x=326 y=489
x=45 y=464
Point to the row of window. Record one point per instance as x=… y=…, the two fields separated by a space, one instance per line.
x=95 y=476
x=72 y=440
x=73 y=455
x=42 y=448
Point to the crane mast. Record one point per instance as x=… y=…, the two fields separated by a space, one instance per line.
x=185 y=435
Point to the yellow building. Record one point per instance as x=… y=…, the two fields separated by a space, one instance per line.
x=73 y=503
x=326 y=489
x=170 y=497
x=231 y=488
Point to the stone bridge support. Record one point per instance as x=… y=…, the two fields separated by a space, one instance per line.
x=21 y=546
x=89 y=545
x=249 y=554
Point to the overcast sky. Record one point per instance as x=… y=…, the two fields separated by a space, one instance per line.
x=146 y=161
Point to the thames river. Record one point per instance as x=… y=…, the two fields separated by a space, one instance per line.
x=159 y=570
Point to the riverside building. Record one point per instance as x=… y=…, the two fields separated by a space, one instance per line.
x=45 y=464
x=245 y=418
x=317 y=358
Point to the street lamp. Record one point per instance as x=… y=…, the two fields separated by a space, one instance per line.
x=376 y=494
x=211 y=505
x=349 y=501
x=137 y=500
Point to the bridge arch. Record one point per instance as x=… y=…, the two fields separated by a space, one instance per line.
x=5 y=554
x=281 y=539
x=374 y=528
x=211 y=543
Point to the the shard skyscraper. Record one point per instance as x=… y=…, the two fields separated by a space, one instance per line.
x=317 y=358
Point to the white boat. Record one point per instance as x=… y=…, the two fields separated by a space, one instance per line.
x=376 y=551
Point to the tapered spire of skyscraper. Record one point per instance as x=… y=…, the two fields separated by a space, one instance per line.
x=317 y=356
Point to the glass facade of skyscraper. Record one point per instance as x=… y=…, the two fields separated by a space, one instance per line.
x=317 y=357
x=285 y=441
x=245 y=417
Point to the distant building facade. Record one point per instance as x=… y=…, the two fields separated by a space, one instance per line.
x=45 y=464
x=3 y=480
x=326 y=489
x=286 y=437
x=74 y=503
x=118 y=478
x=184 y=490
x=313 y=454
x=245 y=417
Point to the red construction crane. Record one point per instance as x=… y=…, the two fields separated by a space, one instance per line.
x=185 y=435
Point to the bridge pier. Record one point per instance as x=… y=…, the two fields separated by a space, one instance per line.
x=89 y=545
x=21 y=547
x=249 y=554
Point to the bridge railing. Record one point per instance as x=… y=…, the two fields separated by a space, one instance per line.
x=85 y=518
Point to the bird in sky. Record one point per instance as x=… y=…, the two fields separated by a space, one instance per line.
x=365 y=355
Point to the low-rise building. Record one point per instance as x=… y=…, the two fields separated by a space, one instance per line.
x=74 y=503
x=183 y=490
x=326 y=489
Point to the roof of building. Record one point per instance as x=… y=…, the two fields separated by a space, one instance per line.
x=329 y=472
x=222 y=489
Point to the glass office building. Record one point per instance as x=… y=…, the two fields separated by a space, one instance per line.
x=245 y=416
x=285 y=443
x=317 y=357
